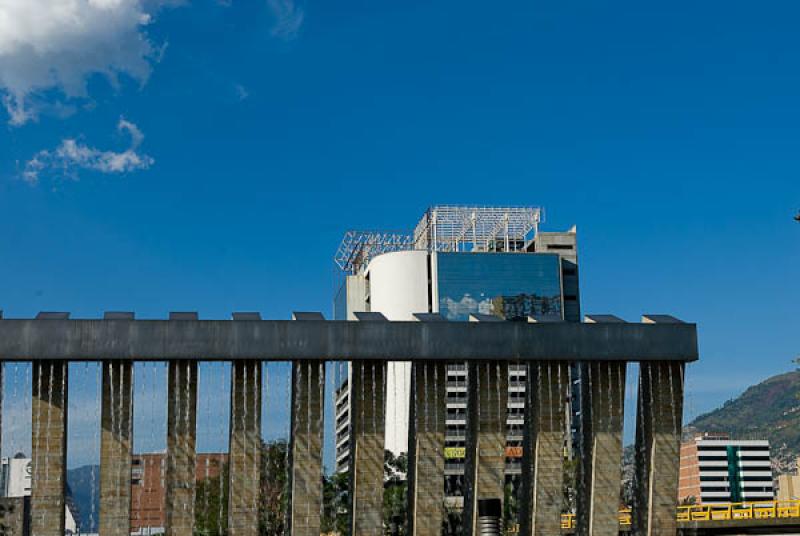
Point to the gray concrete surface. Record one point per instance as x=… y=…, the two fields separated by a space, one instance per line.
x=142 y=340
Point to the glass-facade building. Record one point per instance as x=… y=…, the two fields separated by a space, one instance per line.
x=512 y=286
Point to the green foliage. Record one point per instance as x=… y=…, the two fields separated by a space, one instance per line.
x=335 y=503
x=395 y=494
x=274 y=488
x=211 y=505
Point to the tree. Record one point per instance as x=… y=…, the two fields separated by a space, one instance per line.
x=211 y=504
x=274 y=501
x=335 y=500
x=395 y=494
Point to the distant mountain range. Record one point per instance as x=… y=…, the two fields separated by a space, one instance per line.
x=768 y=410
x=79 y=481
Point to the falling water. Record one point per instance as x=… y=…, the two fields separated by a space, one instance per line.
x=255 y=438
x=374 y=402
x=113 y=409
x=383 y=393
x=14 y=394
x=550 y=401
x=185 y=431
x=47 y=424
x=538 y=407
x=477 y=398
x=436 y=395
x=96 y=441
x=207 y=464
x=309 y=405
x=163 y=461
x=501 y=408
x=425 y=390
x=362 y=420
x=287 y=490
x=672 y=401
x=221 y=478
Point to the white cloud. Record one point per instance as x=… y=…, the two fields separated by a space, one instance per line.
x=48 y=45
x=72 y=155
x=454 y=310
x=288 y=18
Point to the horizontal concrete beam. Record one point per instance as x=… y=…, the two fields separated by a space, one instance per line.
x=277 y=340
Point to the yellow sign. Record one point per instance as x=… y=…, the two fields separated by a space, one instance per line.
x=460 y=452
x=454 y=452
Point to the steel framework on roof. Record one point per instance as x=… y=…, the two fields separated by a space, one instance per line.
x=445 y=228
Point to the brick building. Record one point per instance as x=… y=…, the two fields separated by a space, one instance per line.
x=147 y=488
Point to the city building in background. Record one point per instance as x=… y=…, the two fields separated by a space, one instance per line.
x=15 y=483
x=148 y=492
x=458 y=262
x=717 y=469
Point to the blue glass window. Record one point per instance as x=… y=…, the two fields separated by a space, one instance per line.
x=512 y=286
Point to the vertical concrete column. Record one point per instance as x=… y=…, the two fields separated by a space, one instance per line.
x=601 y=454
x=427 y=420
x=181 y=443
x=49 y=447
x=547 y=390
x=658 y=440
x=308 y=404
x=245 y=448
x=115 y=448
x=367 y=440
x=487 y=408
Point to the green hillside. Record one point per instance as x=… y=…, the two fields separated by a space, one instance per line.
x=768 y=410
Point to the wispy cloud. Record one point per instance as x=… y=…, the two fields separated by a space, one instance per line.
x=72 y=156
x=288 y=18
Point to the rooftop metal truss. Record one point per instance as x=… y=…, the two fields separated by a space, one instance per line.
x=359 y=247
x=472 y=228
x=445 y=228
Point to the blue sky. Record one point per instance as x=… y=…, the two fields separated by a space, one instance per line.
x=217 y=169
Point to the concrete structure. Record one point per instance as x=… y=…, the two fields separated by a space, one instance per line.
x=15 y=516
x=49 y=447
x=487 y=396
x=181 y=443
x=543 y=466
x=308 y=379
x=426 y=449
x=245 y=449
x=601 y=454
x=369 y=344
x=717 y=469
x=116 y=447
x=658 y=439
x=368 y=427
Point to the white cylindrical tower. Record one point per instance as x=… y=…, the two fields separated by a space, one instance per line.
x=398 y=287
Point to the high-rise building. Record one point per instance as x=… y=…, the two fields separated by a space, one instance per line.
x=458 y=262
x=717 y=469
